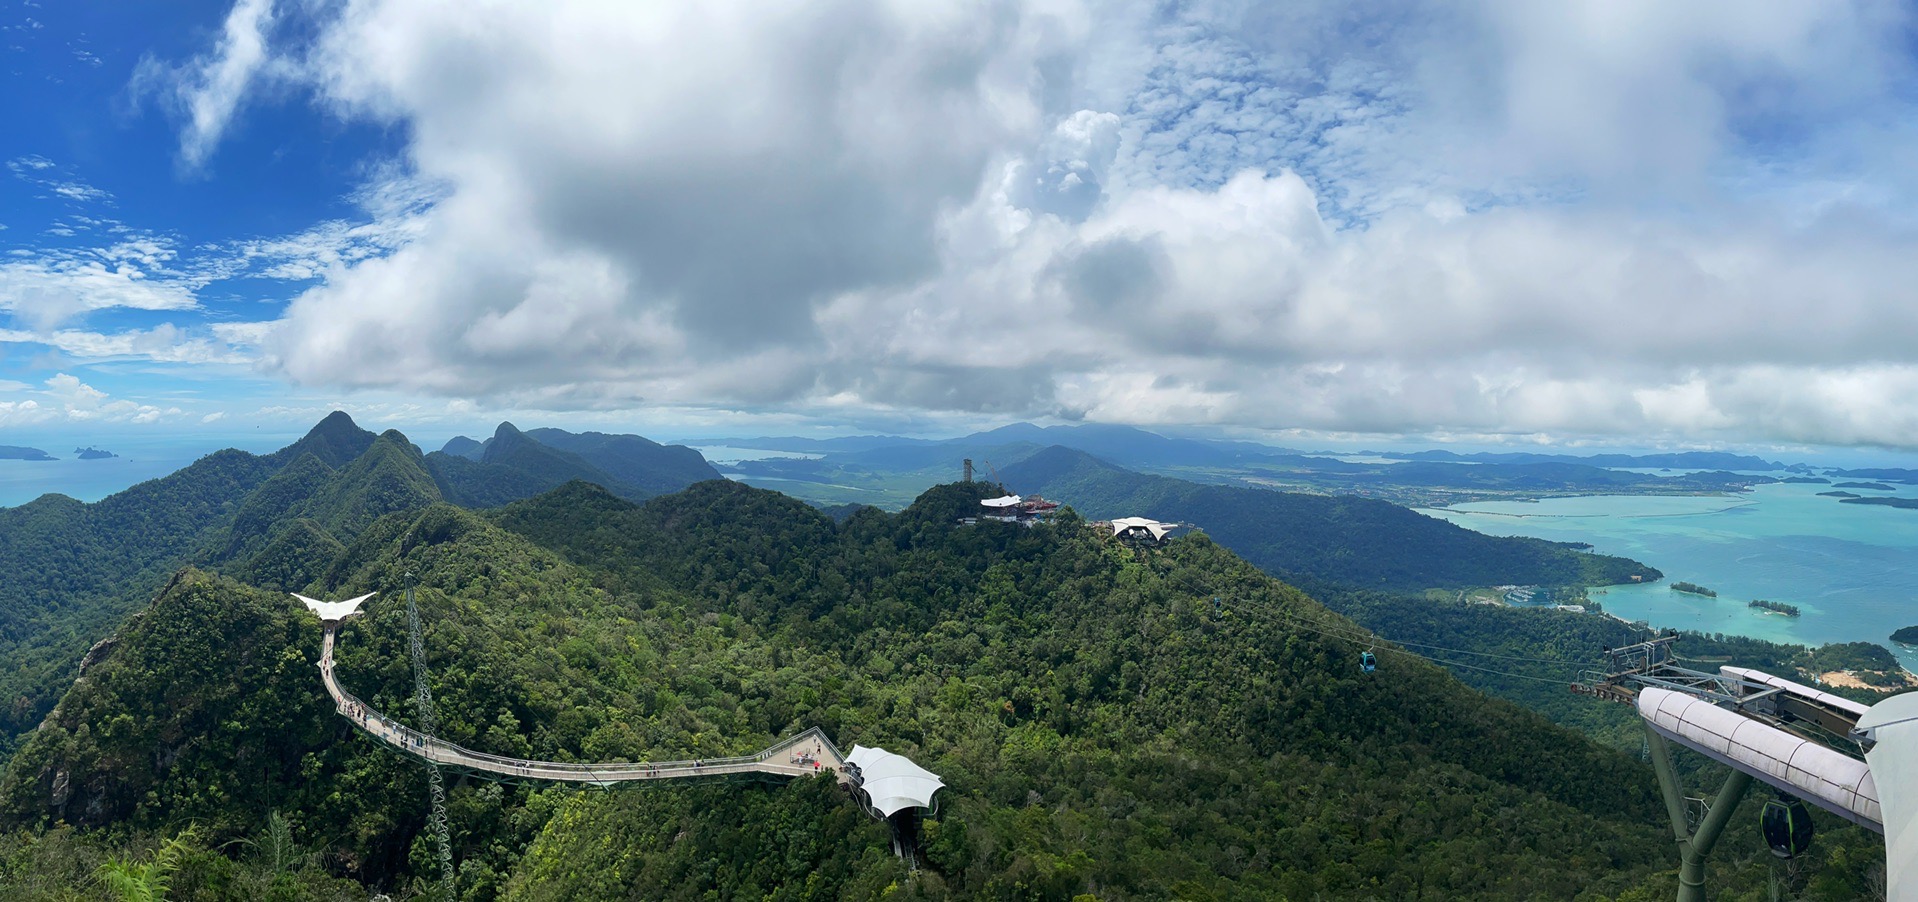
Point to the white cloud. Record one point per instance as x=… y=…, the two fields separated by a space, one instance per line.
x=48 y=289
x=23 y=413
x=395 y=205
x=209 y=90
x=74 y=400
x=79 y=191
x=164 y=343
x=35 y=170
x=1495 y=218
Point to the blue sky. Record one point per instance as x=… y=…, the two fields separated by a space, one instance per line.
x=1605 y=222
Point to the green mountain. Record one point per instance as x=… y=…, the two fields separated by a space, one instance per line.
x=336 y=440
x=513 y=465
x=1101 y=728
x=461 y=446
x=1341 y=539
x=390 y=476
x=631 y=459
x=74 y=571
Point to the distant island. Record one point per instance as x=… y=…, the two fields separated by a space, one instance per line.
x=15 y=452
x=1908 y=635
x=1687 y=460
x=1885 y=474
x=1693 y=589
x=92 y=453
x=1879 y=486
x=1839 y=495
x=1776 y=607
x=1909 y=503
x=1805 y=480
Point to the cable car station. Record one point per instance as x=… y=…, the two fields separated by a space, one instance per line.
x=1858 y=762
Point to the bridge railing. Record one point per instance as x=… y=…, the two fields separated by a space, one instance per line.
x=433 y=748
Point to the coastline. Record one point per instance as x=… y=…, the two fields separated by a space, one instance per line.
x=1846 y=567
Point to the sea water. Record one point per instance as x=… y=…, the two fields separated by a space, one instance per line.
x=726 y=454
x=1852 y=569
x=140 y=459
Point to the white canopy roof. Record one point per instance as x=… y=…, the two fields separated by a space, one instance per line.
x=334 y=610
x=1155 y=527
x=893 y=782
x=1893 y=724
x=1006 y=501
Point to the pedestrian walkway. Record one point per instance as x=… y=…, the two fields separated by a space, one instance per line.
x=800 y=755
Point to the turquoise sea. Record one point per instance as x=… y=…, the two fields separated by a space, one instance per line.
x=1851 y=569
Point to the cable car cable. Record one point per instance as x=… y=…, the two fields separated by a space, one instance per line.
x=1356 y=635
x=1365 y=640
x=1360 y=635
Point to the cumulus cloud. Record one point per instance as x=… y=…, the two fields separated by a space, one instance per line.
x=66 y=398
x=1592 y=217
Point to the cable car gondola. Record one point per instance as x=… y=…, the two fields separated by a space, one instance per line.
x=1367 y=663
x=1787 y=826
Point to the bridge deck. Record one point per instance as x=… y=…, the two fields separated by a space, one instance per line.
x=800 y=755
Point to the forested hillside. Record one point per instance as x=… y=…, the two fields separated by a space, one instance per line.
x=74 y=570
x=1528 y=656
x=1100 y=729
x=1340 y=539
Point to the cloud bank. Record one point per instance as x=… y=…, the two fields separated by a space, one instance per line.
x=1583 y=218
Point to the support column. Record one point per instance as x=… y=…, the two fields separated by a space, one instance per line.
x=1693 y=848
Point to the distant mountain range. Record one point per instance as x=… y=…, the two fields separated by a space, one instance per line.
x=1685 y=460
x=870 y=468
x=1134 y=446
x=513 y=465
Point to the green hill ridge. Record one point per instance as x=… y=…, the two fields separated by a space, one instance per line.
x=76 y=570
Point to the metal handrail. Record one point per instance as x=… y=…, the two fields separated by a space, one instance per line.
x=435 y=749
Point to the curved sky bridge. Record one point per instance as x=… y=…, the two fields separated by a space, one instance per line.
x=887 y=783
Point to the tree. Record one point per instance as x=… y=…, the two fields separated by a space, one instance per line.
x=131 y=881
